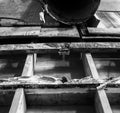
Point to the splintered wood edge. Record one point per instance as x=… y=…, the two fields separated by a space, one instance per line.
x=19 y=102
x=90 y=66
x=102 y=104
x=28 y=69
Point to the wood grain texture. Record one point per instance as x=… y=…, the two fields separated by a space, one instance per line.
x=102 y=103
x=7 y=32
x=90 y=66
x=38 y=32
x=28 y=69
x=54 y=47
x=104 y=32
x=110 y=19
x=110 y=5
x=19 y=102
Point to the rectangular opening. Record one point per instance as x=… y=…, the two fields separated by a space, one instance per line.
x=6 y=97
x=54 y=65
x=60 y=101
x=11 y=65
x=113 y=95
x=61 y=109
x=107 y=64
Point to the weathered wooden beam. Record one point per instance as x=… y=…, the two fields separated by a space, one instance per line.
x=54 y=47
x=90 y=66
x=7 y=32
x=28 y=69
x=19 y=102
x=101 y=102
x=109 y=5
x=111 y=19
x=38 y=32
x=104 y=32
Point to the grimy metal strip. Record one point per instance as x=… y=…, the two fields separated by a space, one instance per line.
x=19 y=102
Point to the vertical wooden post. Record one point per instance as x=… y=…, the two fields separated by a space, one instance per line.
x=34 y=60
x=90 y=66
x=28 y=69
x=101 y=102
x=19 y=102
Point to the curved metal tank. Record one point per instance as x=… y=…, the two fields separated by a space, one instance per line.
x=71 y=12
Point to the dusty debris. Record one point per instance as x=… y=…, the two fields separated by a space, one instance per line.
x=115 y=80
x=88 y=79
x=32 y=80
x=37 y=79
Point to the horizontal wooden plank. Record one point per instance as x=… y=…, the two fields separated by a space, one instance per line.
x=105 y=32
x=41 y=33
x=19 y=102
x=58 y=34
x=54 y=47
x=6 y=32
x=53 y=32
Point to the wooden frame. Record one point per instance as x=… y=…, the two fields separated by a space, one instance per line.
x=96 y=40
x=102 y=104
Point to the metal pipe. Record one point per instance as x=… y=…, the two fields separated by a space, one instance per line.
x=71 y=12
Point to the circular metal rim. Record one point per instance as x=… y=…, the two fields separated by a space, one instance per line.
x=74 y=21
